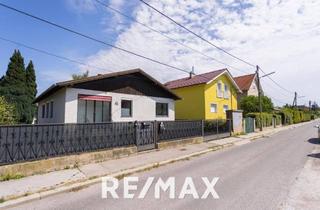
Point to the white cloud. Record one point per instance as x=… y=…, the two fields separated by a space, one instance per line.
x=281 y=36
x=81 y=6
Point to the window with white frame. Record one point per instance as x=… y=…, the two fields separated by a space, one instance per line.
x=213 y=108
x=219 y=90
x=226 y=91
x=225 y=108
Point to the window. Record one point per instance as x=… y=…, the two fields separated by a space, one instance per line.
x=51 y=109
x=43 y=111
x=226 y=91
x=162 y=109
x=91 y=111
x=126 y=108
x=213 y=108
x=47 y=110
x=225 y=108
x=219 y=90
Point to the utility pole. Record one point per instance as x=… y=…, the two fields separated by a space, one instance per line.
x=259 y=95
x=295 y=102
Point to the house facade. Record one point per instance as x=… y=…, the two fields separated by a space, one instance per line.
x=248 y=85
x=117 y=97
x=205 y=96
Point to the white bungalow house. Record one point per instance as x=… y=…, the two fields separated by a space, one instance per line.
x=122 y=96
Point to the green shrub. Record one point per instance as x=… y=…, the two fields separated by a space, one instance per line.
x=293 y=116
x=265 y=117
x=278 y=119
x=8 y=177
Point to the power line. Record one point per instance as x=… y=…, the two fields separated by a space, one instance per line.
x=280 y=92
x=166 y=36
x=90 y=37
x=197 y=35
x=51 y=54
x=277 y=100
x=219 y=48
x=280 y=86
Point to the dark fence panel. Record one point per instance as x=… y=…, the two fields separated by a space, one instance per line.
x=31 y=142
x=215 y=129
x=171 y=130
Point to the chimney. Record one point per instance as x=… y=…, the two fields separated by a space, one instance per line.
x=192 y=74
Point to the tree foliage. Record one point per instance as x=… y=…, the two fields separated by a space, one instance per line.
x=80 y=76
x=7 y=112
x=18 y=87
x=250 y=104
x=31 y=87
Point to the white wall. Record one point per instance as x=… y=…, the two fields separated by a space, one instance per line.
x=143 y=107
x=253 y=90
x=58 y=99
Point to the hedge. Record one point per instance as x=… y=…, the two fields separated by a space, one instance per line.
x=293 y=116
x=266 y=119
x=278 y=119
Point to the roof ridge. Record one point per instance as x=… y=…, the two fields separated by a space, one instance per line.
x=246 y=75
x=197 y=75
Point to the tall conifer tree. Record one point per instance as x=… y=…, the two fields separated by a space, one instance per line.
x=13 y=86
x=31 y=87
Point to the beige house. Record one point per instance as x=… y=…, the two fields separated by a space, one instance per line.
x=248 y=85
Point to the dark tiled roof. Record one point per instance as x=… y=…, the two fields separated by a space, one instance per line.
x=244 y=82
x=195 y=80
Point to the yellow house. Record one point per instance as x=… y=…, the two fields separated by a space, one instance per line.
x=205 y=96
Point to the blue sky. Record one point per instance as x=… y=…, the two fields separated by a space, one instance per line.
x=279 y=35
x=22 y=29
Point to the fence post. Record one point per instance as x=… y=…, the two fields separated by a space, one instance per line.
x=155 y=130
x=217 y=126
x=136 y=132
x=202 y=128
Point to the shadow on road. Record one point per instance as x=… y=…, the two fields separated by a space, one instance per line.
x=315 y=155
x=314 y=141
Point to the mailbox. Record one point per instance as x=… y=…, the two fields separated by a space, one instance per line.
x=145 y=125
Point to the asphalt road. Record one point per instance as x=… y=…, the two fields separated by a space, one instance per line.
x=252 y=176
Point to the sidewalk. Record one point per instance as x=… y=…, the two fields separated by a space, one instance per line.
x=40 y=186
x=305 y=191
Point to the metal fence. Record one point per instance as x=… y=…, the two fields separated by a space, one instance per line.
x=215 y=129
x=171 y=130
x=30 y=142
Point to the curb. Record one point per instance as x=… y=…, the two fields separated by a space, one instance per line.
x=90 y=181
